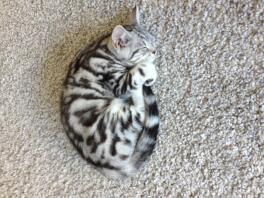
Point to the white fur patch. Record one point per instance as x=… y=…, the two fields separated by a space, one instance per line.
x=152 y=121
x=150 y=99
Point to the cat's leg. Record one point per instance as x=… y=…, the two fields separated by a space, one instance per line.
x=137 y=100
x=126 y=119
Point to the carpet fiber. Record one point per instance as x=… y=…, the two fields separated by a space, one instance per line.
x=210 y=91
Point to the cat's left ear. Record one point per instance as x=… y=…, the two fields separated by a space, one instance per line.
x=134 y=17
x=120 y=37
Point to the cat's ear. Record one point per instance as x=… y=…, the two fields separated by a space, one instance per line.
x=120 y=37
x=134 y=17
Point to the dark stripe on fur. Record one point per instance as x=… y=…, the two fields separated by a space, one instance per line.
x=123 y=157
x=87 y=97
x=153 y=131
x=124 y=124
x=101 y=127
x=89 y=121
x=113 y=125
x=153 y=109
x=137 y=119
x=130 y=81
x=113 y=145
x=133 y=54
x=90 y=140
x=83 y=111
x=127 y=141
x=86 y=86
x=141 y=72
x=94 y=147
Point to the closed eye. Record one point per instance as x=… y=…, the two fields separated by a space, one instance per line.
x=135 y=52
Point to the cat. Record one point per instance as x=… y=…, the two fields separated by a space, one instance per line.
x=108 y=109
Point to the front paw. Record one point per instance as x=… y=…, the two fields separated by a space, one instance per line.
x=137 y=78
x=151 y=75
x=143 y=74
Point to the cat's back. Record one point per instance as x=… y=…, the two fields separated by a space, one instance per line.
x=84 y=95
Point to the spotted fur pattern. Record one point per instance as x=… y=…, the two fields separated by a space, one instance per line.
x=108 y=109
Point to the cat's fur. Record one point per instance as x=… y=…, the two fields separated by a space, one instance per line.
x=108 y=109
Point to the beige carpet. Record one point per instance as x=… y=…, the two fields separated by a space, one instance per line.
x=210 y=91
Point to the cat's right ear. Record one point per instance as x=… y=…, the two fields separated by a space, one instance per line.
x=134 y=17
x=120 y=37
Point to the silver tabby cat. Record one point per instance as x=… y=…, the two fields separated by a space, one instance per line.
x=108 y=109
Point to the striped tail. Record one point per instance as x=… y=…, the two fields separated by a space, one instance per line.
x=147 y=140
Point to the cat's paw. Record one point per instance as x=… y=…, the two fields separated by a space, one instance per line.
x=137 y=79
x=150 y=74
x=143 y=74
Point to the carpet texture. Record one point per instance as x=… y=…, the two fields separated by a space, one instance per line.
x=210 y=91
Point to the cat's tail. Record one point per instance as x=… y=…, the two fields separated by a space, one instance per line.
x=146 y=142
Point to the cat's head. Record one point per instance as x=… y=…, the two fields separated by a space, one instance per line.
x=131 y=43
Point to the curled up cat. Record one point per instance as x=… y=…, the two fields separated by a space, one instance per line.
x=108 y=109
